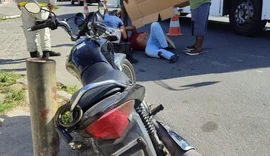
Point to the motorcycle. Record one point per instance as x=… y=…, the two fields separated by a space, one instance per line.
x=110 y=108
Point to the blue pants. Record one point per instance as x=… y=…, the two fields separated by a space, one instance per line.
x=157 y=42
x=199 y=19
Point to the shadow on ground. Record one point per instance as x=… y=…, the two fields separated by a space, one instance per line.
x=12 y=61
x=5 y=64
x=16 y=137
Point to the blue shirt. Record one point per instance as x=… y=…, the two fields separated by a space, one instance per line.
x=112 y=21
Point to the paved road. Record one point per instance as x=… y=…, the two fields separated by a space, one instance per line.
x=219 y=101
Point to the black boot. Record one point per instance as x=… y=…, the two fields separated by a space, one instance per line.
x=34 y=54
x=52 y=53
x=46 y=54
x=128 y=52
x=174 y=58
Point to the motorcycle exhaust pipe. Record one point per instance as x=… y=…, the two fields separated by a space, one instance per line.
x=174 y=149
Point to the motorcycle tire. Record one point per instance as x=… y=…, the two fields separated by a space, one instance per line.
x=128 y=69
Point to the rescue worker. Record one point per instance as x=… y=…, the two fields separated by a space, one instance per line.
x=111 y=20
x=30 y=19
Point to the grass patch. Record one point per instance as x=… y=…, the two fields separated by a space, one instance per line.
x=8 y=78
x=68 y=89
x=2 y=18
x=9 y=17
x=12 y=97
x=56 y=7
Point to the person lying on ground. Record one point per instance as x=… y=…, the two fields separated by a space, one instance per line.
x=154 y=44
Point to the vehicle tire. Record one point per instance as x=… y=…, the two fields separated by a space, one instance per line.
x=245 y=17
x=81 y=3
x=128 y=69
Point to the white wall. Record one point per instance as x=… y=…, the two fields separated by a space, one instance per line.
x=215 y=10
x=266 y=10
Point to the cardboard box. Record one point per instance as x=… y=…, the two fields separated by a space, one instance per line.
x=142 y=12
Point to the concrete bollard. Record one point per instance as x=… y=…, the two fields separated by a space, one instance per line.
x=41 y=76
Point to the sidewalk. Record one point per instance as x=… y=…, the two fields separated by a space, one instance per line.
x=9 y=9
x=13 y=52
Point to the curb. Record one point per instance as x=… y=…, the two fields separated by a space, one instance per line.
x=9 y=17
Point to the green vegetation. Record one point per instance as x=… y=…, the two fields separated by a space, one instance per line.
x=68 y=89
x=66 y=118
x=56 y=7
x=12 y=97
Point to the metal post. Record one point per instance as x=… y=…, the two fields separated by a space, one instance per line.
x=41 y=76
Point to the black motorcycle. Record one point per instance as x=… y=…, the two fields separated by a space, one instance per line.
x=109 y=109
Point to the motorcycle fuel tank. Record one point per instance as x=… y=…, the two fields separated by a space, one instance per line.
x=83 y=54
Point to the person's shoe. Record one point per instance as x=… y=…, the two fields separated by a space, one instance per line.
x=46 y=54
x=194 y=52
x=52 y=53
x=190 y=47
x=132 y=60
x=34 y=54
x=174 y=58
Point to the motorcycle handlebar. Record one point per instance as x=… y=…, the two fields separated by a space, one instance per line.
x=100 y=27
x=39 y=26
x=65 y=25
x=54 y=23
x=50 y=23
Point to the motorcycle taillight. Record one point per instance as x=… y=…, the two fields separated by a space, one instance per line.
x=113 y=123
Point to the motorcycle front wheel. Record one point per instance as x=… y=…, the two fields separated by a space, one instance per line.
x=128 y=69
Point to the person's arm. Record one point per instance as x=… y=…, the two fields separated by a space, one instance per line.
x=131 y=28
x=124 y=33
x=52 y=4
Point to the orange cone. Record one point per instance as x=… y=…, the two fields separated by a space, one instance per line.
x=175 y=29
x=85 y=8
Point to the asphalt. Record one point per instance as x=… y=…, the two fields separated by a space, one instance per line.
x=219 y=101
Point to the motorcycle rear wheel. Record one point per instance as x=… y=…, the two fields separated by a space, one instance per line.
x=128 y=69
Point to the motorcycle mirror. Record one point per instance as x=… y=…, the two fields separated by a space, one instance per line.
x=79 y=19
x=102 y=8
x=32 y=7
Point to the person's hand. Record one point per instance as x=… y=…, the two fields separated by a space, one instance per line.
x=19 y=6
x=50 y=6
x=126 y=1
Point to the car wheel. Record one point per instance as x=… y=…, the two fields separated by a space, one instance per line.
x=245 y=17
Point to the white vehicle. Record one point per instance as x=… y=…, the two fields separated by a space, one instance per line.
x=247 y=17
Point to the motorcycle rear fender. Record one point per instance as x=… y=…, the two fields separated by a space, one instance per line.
x=119 y=60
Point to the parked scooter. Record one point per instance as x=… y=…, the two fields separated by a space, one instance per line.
x=109 y=109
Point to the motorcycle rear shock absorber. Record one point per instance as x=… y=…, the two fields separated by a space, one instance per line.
x=146 y=119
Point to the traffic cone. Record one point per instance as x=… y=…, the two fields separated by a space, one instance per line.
x=85 y=8
x=175 y=29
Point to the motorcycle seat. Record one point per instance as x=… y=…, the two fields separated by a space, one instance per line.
x=93 y=96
